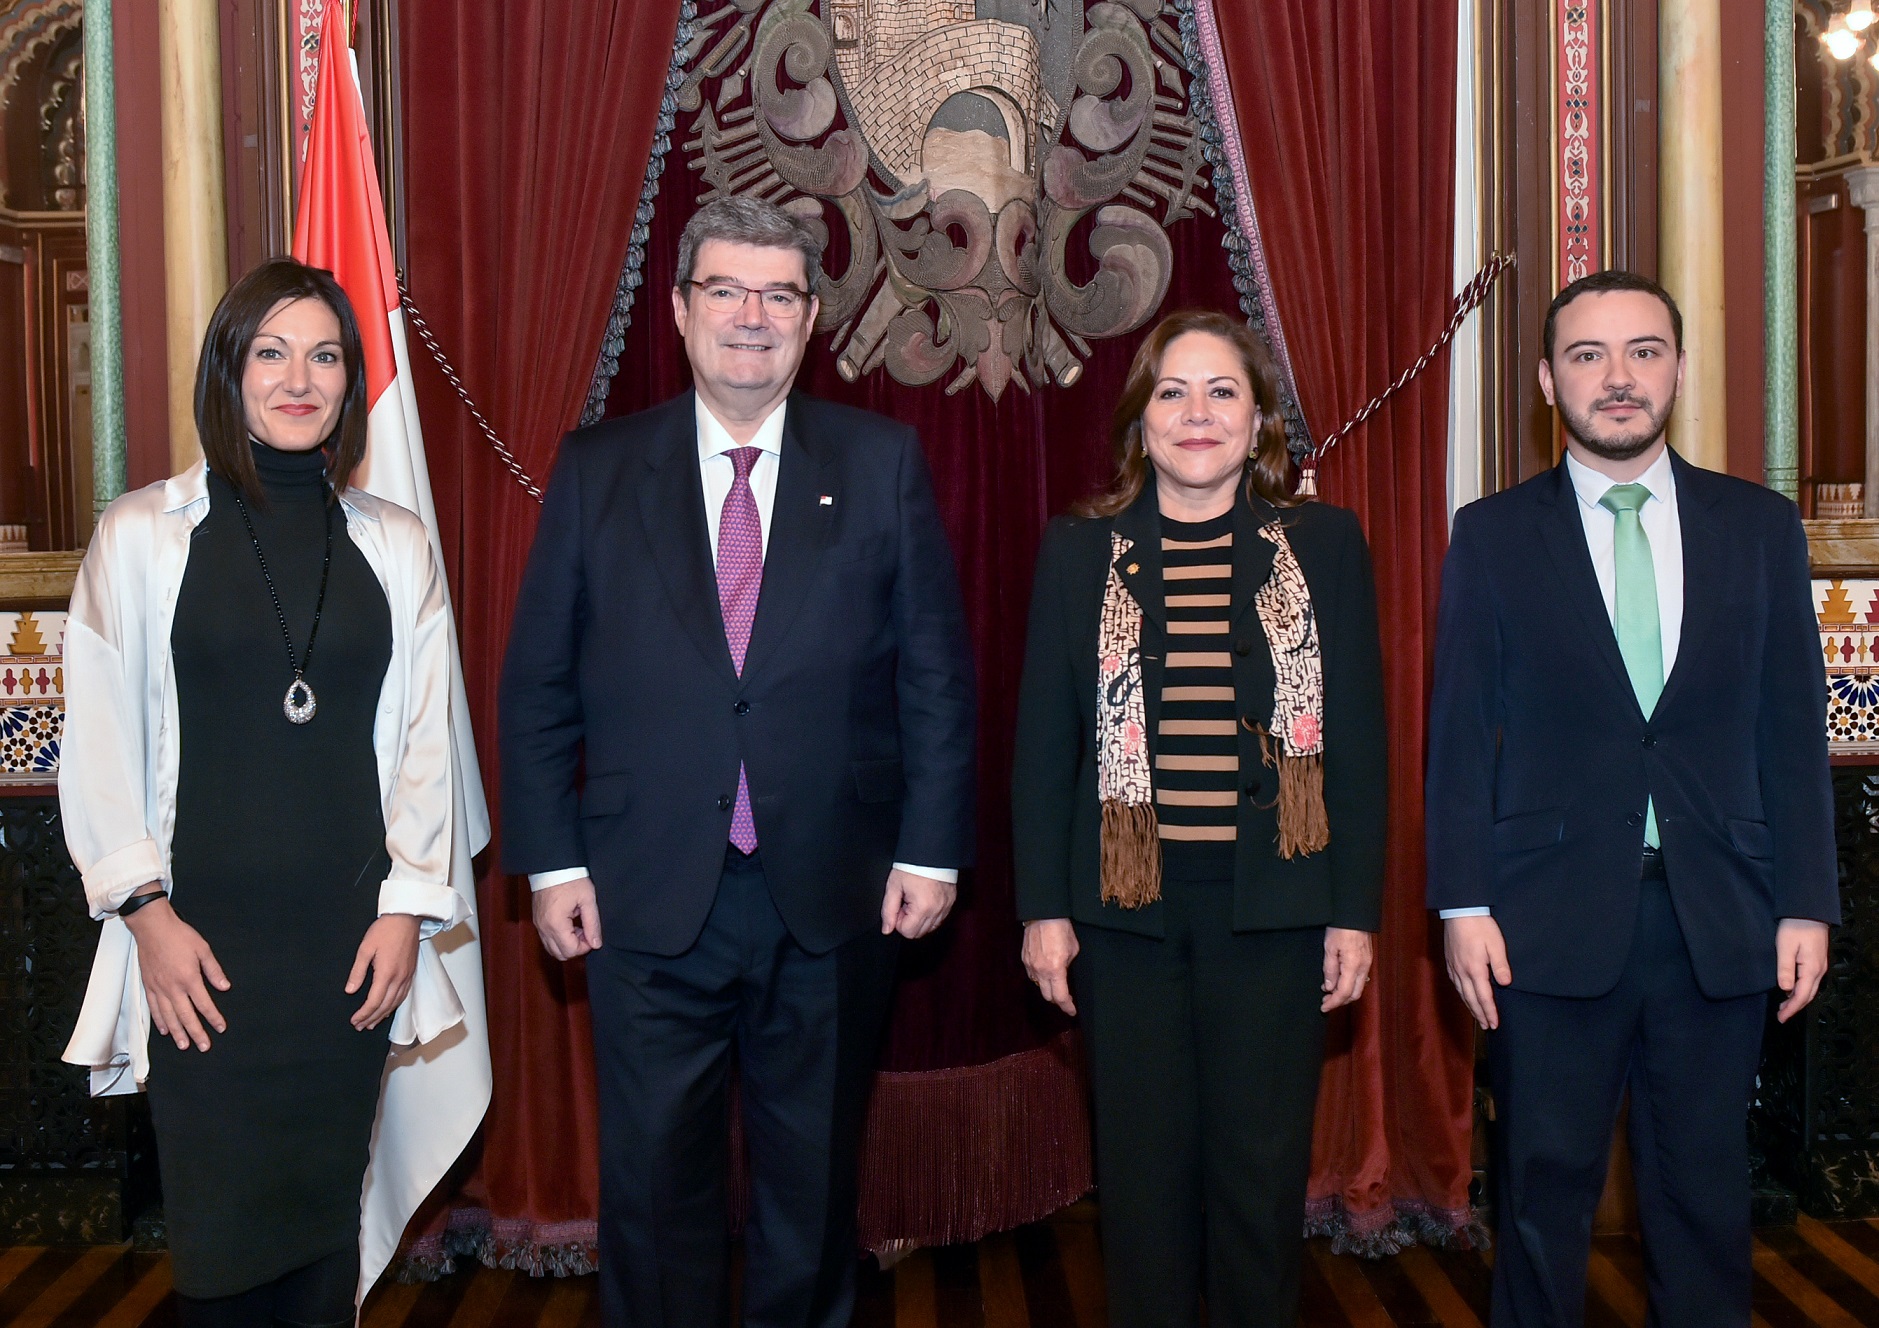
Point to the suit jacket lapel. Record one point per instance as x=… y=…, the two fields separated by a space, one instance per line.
x=1562 y=530
x=800 y=525
x=1704 y=550
x=1140 y=567
x=672 y=506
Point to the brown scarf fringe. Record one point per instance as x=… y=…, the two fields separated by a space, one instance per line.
x=1131 y=859
x=1303 y=825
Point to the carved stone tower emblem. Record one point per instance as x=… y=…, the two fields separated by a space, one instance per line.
x=1002 y=170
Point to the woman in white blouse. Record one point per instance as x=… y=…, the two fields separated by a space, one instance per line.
x=256 y=787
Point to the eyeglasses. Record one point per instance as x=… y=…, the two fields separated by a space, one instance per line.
x=726 y=297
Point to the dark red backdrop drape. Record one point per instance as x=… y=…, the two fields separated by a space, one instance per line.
x=527 y=130
x=1347 y=118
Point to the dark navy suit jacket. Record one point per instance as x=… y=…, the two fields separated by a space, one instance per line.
x=1541 y=761
x=854 y=713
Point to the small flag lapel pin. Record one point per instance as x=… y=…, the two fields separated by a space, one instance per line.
x=826 y=500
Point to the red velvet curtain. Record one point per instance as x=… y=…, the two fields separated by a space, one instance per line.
x=1346 y=114
x=528 y=126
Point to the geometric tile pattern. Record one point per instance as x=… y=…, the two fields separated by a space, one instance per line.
x=32 y=678
x=1848 y=611
x=32 y=695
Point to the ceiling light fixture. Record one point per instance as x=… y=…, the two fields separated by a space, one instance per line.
x=1842 y=42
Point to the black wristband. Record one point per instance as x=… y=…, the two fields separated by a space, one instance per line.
x=135 y=902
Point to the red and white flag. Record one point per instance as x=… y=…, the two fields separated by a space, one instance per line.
x=434 y=1095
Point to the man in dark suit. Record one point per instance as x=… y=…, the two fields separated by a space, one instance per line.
x=741 y=622
x=1629 y=816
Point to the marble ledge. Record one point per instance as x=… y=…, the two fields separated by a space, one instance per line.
x=1843 y=548
x=32 y=580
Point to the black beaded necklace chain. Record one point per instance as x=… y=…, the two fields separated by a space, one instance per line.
x=299 y=705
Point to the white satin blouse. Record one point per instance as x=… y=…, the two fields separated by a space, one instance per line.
x=119 y=756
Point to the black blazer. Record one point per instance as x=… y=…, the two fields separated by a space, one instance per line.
x=854 y=714
x=1540 y=760
x=1057 y=822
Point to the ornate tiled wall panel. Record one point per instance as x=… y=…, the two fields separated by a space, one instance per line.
x=1849 y=645
x=32 y=695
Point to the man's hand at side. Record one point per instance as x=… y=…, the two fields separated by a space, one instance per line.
x=1477 y=960
x=1800 y=963
x=568 y=918
x=915 y=905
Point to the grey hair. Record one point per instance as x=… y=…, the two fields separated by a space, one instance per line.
x=743 y=220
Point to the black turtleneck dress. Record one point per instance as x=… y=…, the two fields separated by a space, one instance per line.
x=277 y=857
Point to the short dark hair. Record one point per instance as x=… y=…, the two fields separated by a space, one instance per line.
x=740 y=219
x=222 y=420
x=1599 y=283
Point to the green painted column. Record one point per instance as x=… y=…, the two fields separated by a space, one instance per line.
x=1780 y=291
x=107 y=327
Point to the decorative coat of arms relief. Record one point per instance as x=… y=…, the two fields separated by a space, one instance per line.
x=1003 y=171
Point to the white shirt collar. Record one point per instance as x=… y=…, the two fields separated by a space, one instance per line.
x=1591 y=485
x=714 y=439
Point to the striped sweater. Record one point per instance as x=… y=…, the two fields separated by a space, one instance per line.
x=1196 y=774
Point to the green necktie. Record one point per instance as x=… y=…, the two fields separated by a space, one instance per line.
x=1634 y=595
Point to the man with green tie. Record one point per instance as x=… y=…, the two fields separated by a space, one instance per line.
x=1630 y=823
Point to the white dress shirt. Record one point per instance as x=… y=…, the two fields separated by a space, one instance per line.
x=1658 y=516
x=718 y=472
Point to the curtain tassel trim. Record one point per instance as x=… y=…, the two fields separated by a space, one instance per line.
x=951 y=1156
x=547 y=1249
x=1377 y=1233
x=947 y=1157
x=607 y=368
x=1208 y=93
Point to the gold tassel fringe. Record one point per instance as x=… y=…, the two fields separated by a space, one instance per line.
x=1131 y=858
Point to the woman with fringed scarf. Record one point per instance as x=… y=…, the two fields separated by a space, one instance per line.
x=1198 y=797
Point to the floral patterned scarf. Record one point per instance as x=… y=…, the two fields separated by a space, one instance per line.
x=1293 y=739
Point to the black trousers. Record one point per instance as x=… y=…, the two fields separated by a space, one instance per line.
x=319 y=1295
x=1559 y=1067
x=1205 y=1049
x=805 y=1030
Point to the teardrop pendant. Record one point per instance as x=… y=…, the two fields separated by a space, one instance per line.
x=299 y=704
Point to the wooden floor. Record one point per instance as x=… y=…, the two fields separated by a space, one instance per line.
x=1043 y=1276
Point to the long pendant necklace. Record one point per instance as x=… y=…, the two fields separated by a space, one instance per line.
x=299 y=705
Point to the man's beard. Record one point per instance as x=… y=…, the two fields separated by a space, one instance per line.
x=1618 y=447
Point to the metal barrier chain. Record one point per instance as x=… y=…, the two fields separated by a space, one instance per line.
x=430 y=342
x=1466 y=303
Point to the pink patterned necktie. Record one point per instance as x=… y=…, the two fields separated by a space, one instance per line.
x=740 y=578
